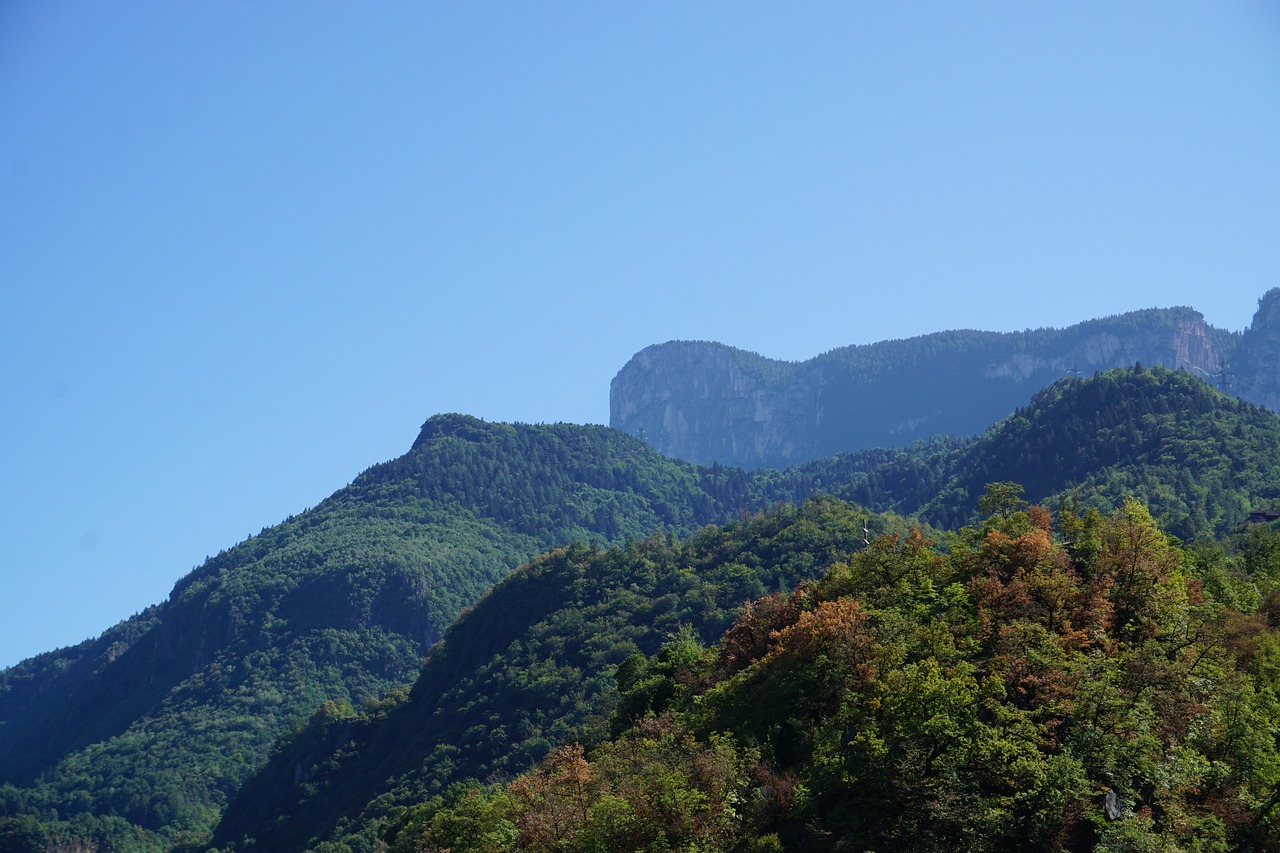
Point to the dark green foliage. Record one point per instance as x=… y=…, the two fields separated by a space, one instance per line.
x=1199 y=459
x=531 y=666
x=656 y=789
x=161 y=719
x=22 y=834
x=1016 y=693
x=160 y=722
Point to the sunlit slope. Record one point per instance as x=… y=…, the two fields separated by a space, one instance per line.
x=159 y=720
x=532 y=665
x=1200 y=459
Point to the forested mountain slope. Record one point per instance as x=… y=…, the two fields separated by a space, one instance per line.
x=139 y=739
x=147 y=731
x=531 y=666
x=707 y=402
x=1199 y=459
x=1070 y=683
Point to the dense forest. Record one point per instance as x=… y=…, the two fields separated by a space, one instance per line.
x=1199 y=459
x=531 y=666
x=148 y=731
x=1034 y=682
x=279 y=700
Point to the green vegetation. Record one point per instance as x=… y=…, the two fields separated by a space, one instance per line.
x=1200 y=460
x=1030 y=688
x=269 y=695
x=532 y=666
x=158 y=722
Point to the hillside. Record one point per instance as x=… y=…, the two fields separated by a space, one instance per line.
x=707 y=402
x=148 y=731
x=535 y=663
x=141 y=738
x=531 y=666
x=1199 y=459
x=1062 y=683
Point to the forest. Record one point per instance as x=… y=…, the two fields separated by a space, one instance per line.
x=1066 y=680
x=1042 y=681
x=1057 y=634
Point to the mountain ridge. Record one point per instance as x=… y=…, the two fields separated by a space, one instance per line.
x=707 y=402
x=335 y=608
x=337 y=604
x=458 y=718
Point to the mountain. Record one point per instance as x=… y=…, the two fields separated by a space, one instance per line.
x=271 y=684
x=706 y=402
x=1200 y=460
x=147 y=732
x=538 y=661
x=530 y=666
x=1257 y=358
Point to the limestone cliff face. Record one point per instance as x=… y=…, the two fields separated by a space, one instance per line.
x=707 y=402
x=1257 y=361
x=701 y=400
x=1180 y=340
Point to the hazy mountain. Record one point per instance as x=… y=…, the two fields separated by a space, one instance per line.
x=706 y=402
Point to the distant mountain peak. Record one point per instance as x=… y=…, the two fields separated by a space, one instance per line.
x=707 y=402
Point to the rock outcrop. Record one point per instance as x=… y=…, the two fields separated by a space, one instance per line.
x=707 y=402
x=701 y=400
x=1256 y=366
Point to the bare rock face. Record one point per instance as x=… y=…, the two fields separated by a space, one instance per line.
x=1257 y=361
x=701 y=400
x=707 y=402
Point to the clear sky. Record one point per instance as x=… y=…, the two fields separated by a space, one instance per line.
x=247 y=248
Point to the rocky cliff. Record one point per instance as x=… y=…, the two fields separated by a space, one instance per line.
x=1255 y=370
x=707 y=402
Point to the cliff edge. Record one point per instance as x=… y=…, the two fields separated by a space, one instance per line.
x=706 y=402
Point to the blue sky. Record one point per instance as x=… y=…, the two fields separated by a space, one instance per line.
x=247 y=248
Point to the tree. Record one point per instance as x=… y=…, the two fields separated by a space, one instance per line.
x=1001 y=499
